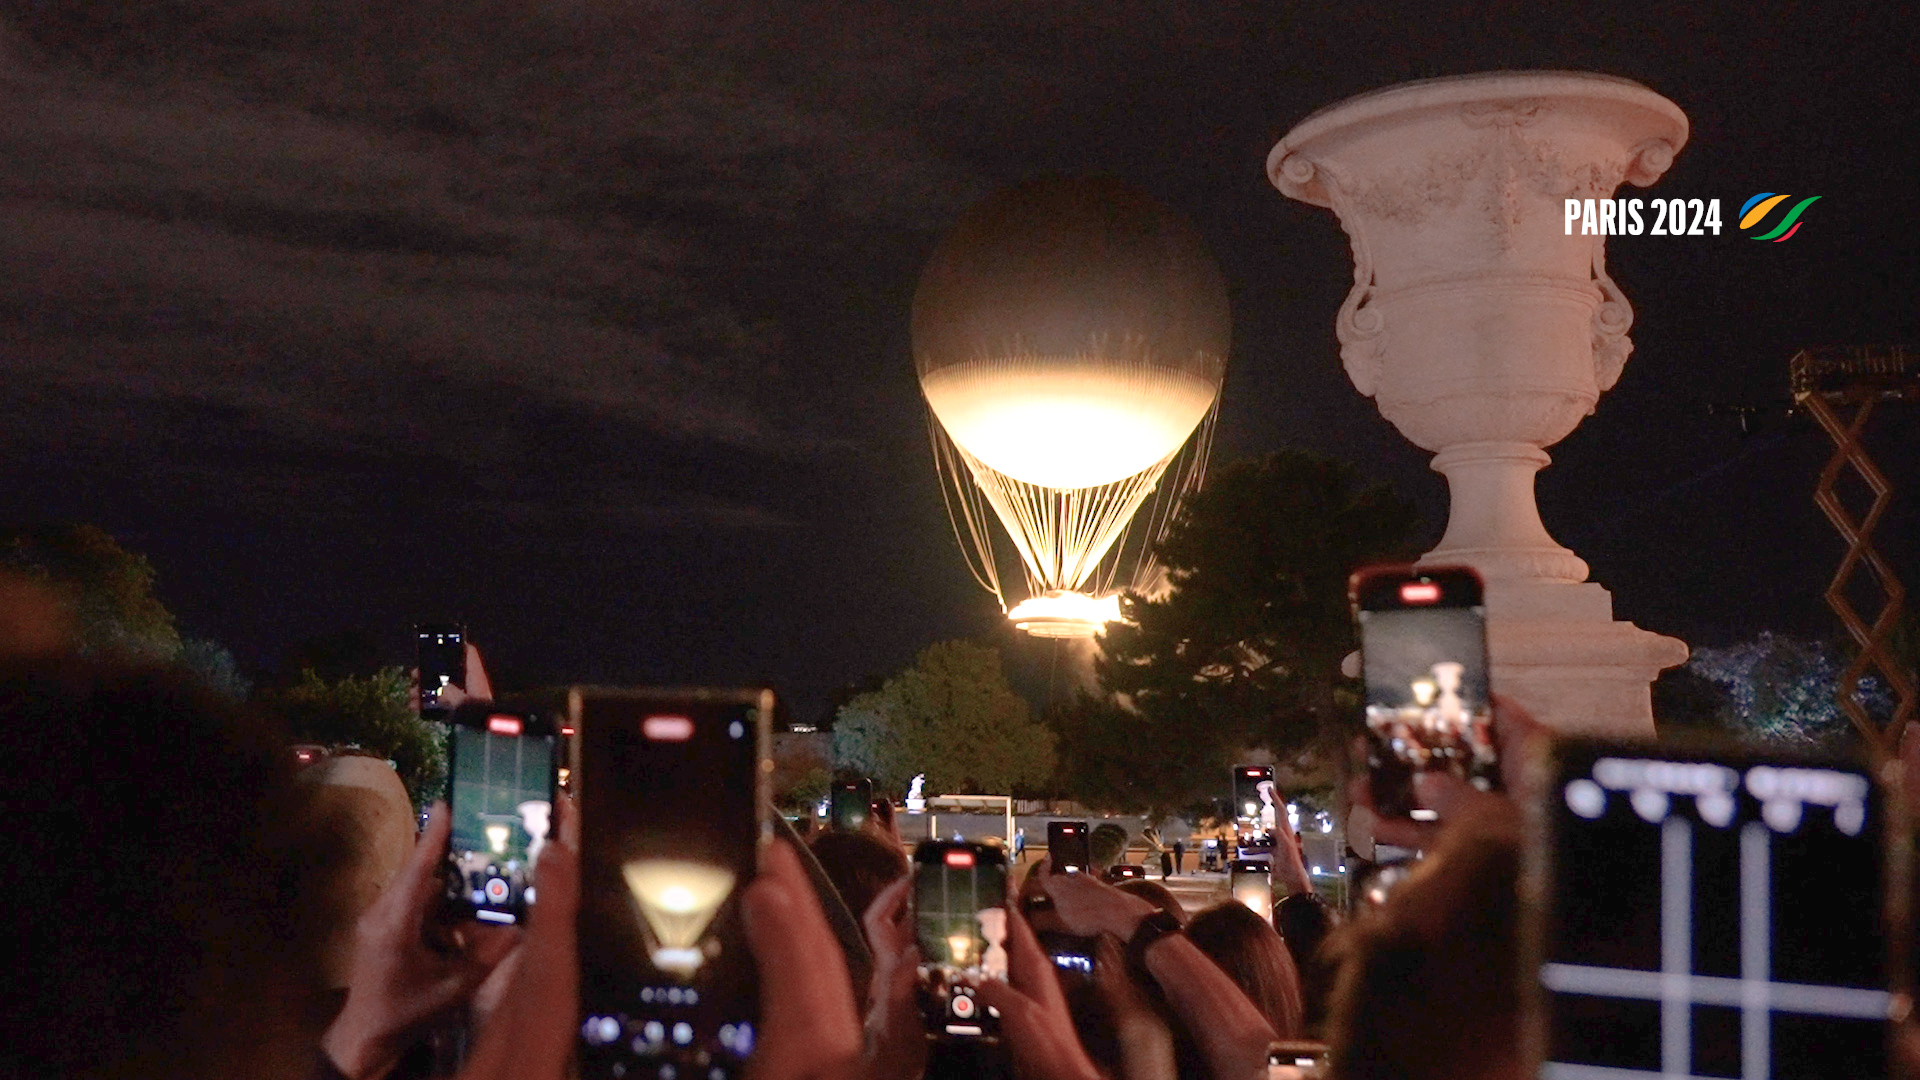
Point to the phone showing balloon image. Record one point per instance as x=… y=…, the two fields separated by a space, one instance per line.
x=960 y=920
x=440 y=655
x=671 y=787
x=1423 y=654
x=1703 y=909
x=500 y=789
x=1069 y=847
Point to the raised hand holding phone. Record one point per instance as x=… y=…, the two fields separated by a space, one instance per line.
x=960 y=918
x=399 y=980
x=500 y=791
x=672 y=788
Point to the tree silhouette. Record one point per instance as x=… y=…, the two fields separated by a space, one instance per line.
x=952 y=716
x=1244 y=649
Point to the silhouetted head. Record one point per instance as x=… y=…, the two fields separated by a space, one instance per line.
x=1247 y=948
x=1156 y=894
x=859 y=864
x=1304 y=922
x=156 y=878
x=1427 y=985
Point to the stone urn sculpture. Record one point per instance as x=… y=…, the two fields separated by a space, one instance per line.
x=1485 y=332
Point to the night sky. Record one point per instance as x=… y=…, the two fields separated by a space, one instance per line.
x=586 y=321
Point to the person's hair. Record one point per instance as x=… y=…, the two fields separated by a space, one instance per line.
x=1304 y=920
x=1246 y=947
x=1156 y=894
x=1106 y=844
x=860 y=866
x=1427 y=986
x=153 y=878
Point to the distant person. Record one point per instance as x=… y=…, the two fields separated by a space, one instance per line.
x=1166 y=863
x=1179 y=856
x=1019 y=842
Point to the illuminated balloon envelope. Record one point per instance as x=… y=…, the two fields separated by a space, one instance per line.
x=677 y=899
x=1070 y=337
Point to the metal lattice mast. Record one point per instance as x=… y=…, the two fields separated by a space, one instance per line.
x=1839 y=387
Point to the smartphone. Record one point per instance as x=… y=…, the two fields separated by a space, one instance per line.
x=1297 y=1061
x=440 y=653
x=1072 y=958
x=672 y=790
x=850 y=804
x=500 y=788
x=1423 y=652
x=960 y=918
x=1710 y=911
x=1255 y=808
x=1253 y=797
x=1068 y=847
x=1250 y=882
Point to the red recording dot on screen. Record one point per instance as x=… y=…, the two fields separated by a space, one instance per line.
x=667 y=728
x=959 y=858
x=503 y=725
x=1419 y=592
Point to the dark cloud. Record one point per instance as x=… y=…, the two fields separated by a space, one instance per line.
x=561 y=313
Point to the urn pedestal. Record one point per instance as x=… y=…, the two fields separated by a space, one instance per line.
x=1485 y=333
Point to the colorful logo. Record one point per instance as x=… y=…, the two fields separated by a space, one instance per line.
x=1762 y=204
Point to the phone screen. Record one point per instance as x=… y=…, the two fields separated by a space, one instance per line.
x=441 y=655
x=1423 y=648
x=852 y=801
x=960 y=918
x=1072 y=957
x=1254 y=803
x=1250 y=882
x=670 y=829
x=1068 y=850
x=1296 y=1061
x=1709 y=914
x=500 y=778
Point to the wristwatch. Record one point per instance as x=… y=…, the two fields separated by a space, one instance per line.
x=1154 y=926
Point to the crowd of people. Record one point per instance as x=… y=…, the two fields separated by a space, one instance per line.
x=162 y=884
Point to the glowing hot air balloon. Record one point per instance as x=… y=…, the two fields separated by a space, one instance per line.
x=1070 y=337
x=677 y=900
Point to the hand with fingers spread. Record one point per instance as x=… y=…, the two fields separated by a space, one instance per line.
x=399 y=981
x=1034 y=1021
x=896 y=1037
